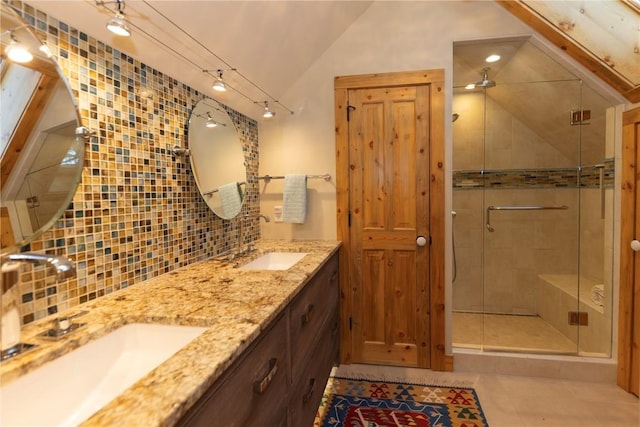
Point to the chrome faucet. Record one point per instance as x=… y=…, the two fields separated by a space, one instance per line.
x=241 y=250
x=266 y=217
x=10 y=319
x=64 y=266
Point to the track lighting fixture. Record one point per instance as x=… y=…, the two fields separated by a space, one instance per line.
x=16 y=51
x=117 y=24
x=267 y=112
x=219 y=85
x=46 y=50
x=210 y=123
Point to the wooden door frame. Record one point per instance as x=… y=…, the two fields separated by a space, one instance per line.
x=628 y=212
x=440 y=361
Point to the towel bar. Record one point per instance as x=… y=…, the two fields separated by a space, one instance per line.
x=209 y=193
x=268 y=178
x=518 y=208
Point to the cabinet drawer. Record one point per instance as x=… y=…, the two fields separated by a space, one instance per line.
x=256 y=386
x=307 y=389
x=310 y=311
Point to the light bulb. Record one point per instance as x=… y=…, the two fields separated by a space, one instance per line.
x=45 y=49
x=219 y=86
x=17 y=52
x=118 y=26
x=210 y=124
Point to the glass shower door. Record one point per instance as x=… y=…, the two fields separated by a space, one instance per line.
x=531 y=205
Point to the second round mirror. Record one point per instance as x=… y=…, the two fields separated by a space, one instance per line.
x=217 y=158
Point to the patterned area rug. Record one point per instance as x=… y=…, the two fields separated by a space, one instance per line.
x=362 y=403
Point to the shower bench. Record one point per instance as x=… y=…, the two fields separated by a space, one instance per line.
x=559 y=294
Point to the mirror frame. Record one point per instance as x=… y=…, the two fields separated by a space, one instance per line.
x=218 y=161
x=27 y=155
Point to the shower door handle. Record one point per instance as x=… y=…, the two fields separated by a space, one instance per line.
x=635 y=245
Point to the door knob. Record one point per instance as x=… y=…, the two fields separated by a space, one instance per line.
x=421 y=241
x=635 y=245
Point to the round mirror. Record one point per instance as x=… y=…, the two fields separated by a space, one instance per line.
x=41 y=138
x=217 y=158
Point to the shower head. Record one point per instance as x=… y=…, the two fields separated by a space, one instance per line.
x=485 y=83
x=455 y=117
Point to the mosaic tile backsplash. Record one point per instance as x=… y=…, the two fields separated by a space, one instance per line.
x=137 y=213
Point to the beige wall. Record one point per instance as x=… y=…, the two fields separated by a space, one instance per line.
x=389 y=36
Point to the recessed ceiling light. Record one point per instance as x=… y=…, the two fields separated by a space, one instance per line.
x=492 y=58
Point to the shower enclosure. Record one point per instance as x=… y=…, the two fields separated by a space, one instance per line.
x=533 y=171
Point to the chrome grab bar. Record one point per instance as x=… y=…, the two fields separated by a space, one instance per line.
x=518 y=208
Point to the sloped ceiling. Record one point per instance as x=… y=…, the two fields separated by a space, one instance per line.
x=538 y=91
x=271 y=43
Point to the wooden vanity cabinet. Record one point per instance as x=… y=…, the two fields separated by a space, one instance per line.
x=314 y=325
x=279 y=380
x=252 y=392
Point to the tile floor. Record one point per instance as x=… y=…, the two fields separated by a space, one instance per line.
x=514 y=401
x=506 y=332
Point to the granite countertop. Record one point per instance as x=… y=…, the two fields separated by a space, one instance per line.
x=235 y=305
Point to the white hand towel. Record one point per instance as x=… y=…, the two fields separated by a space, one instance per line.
x=294 y=206
x=230 y=199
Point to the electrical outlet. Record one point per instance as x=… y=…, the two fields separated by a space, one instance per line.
x=277 y=214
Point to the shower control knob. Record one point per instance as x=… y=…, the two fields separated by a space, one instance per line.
x=635 y=245
x=421 y=241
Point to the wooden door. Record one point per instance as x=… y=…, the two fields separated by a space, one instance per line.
x=390 y=182
x=629 y=318
x=389 y=194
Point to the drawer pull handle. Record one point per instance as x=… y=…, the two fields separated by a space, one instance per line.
x=334 y=330
x=306 y=318
x=307 y=396
x=334 y=277
x=262 y=385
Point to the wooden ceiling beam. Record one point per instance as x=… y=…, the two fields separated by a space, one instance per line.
x=586 y=57
x=31 y=115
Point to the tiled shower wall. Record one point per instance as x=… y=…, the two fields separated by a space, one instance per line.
x=137 y=213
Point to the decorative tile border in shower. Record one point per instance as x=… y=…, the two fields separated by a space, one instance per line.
x=587 y=177
x=137 y=213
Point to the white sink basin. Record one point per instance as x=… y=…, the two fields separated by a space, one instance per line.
x=71 y=388
x=274 y=261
